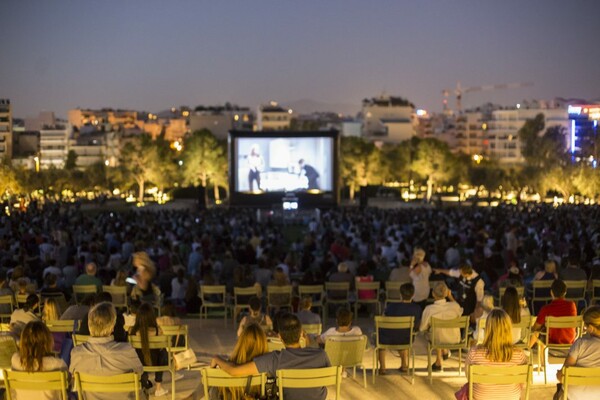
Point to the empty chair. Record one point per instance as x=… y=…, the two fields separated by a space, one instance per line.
x=80 y=291
x=279 y=297
x=336 y=293
x=575 y=322
x=118 y=294
x=540 y=295
x=213 y=297
x=309 y=378
x=347 y=351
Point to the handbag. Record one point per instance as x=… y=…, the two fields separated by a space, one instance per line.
x=463 y=393
x=184 y=359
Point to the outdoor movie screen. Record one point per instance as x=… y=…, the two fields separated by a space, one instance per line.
x=283 y=164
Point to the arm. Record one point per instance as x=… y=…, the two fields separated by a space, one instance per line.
x=569 y=362
x=241 y=326
x=234 y=370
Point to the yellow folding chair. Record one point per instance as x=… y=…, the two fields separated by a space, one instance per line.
x=576 y=292
x=175 y=332
x=241 y=297
x=80 y=339
x=573 y=376
x=312 y=329
x=118 y=294
x=63 y=325
x=26 y=382
x=371 y=287
x=462 y=324
x=279 y=297
x=317 y=294
x=213 y=296
x=541 y=294
x=396 y=323
x=309 y=378
x=336 y=293
x=392 y=292
x=500 y=375
x=7 y=306
x=346 y=352
x=158 y=343
x=122 y=383
x=575 y=322
x=212 y=377
x=80 y=291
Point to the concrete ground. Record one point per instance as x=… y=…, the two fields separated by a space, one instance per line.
x=212 y=336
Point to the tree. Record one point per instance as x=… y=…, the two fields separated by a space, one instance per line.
x=204 y=159
x=395 y=161
x=529 y=136
x=71 y=161
x=360 y=163
x=9 y=184
x=142 y=161
x=434 y=161
x=587 y=181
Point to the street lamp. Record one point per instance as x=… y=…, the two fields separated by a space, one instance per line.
x=37 y=163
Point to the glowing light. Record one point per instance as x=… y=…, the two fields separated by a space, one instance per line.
x=484 y=126
x=180 y=163
x=518 y=106
x=572 y=136
x=574 y=110
x=186 y=113
x=477 y=158
x=236 y=117
x=421 y=112
x=107 y=163
x=290 y=111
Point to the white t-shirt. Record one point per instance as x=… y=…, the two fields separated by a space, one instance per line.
x=354 y=331
x=421 y=282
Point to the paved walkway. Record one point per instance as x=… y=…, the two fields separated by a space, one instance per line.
x=212 y=336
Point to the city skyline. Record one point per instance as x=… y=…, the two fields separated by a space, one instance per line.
x=150 y=56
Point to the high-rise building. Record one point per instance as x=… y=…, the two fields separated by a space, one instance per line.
x=6 y=136
x=470 y=133
x=388 y=119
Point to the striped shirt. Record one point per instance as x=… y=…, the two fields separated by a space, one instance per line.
x=477 y=356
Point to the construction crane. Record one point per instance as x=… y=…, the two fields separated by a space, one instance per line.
x=459 y=91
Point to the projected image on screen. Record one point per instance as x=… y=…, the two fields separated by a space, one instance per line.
x=284 y=164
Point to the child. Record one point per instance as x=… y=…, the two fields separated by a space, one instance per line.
x=344 y=326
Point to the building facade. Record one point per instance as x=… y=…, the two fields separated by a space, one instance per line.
x=272 y=117
x=54 y=145
x=6 y=135
x=388 y=119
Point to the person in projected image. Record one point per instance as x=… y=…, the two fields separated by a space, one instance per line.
x=256 y=164
x=311 y=174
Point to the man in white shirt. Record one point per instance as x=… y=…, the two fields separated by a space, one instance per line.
x=444 y=307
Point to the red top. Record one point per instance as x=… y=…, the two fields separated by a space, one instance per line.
x=558 y=308
x=366 y=294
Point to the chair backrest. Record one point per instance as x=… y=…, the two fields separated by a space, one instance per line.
x=576 y=290
x=207 y=290
x=580 y=376
x=520 y=290
x=346 y=351
x=7 y=300
x=595 y=289
x=8 y=347
x=316 y=292
x=500 y=375
x=154 y=342
x=309 y=378
x=369 y=287
x=313 y=329
x=541 y=290
x=21 y=298
x=575 y=322
x=175 y=332
x=36 y=381
x=123 y=383
x=337 y=291
x=79 y=339
x=212 y=377
x=461 y=323
x=118 y=294
x=399 y=323
x=241 y=296
x=63 y=325
x=525 y=326
x=80 y=291
x=283 y=295
x=392 y=291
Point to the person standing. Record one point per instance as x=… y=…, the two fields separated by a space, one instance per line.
x=311 y=174
x=420 y=270
x=256 y=164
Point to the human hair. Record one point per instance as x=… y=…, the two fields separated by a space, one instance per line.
x=90 y=268
x=50 y=279
x=418 y=256
x=255 y=304
x=145 y=319
x=591 y=316
x=251 y=343
x=51 y=310
x=32 y=301
x=101 y=319
x=466 y=269
x=407 y=291
x=550 y=266
x=511 y=304
x=103 y=297
x=306 y=303
x=558 y=288
x=343 y=317
x=35 y=344
x=120 y=278
x=342 y=267
x=497 y=340
x=168 y=309
x=440 y=290
x=142 y=260
x=487 y=303
x=290 y=328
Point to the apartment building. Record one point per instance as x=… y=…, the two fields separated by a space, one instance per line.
x=471 y=128
x=6 y=134
x=54 y=145
x=273 y=117
x=388 y=119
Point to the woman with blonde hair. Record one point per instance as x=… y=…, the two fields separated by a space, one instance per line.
x=35 y=355
x=251 y=343
x=584 y=353
x=497 y=349
x=52 y=312
x=420 y=270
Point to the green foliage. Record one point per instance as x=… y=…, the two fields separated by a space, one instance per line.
x=9 y=184
x=587 y=181
x=360 y=163
x=434 y=162
x=71 y=161
x=395 y=161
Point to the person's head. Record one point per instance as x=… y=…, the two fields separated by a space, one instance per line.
x=255 y=305
x=144 y=264
x=90 y=269
x=51 y=310
x=36 y=343
x=255 y=150
x=289 y=329
x=306 y=303
x=103 y=297
x=466 y=270
x=418 y=255
x=487 y=303
x=511 y=303
x=440 y=291
x=498 y=340
x=101 y=319
x=251 y=343
x=407 y=291
x=32 y=302
x=50 y=280
x=120 y=278
x=301 y=162
x=591 y=319
x=342 y=267
x=550 y=266
x=88 y=300
x=22 y=285
x=343 y=317
x=558 y=288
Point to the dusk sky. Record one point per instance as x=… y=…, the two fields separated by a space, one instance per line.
x=152 y=55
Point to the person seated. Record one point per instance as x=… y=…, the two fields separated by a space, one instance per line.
x=558 y=307
x=251 y=343
x=256 y=316
x=35 y=355
x=497 y=349
x=305 y=315
x=471 y=288
x=280 y=279
x=516 y=308
x=292 y=357
x=79 y=311
x=119 y=333
x=406 y=308
x=344 y=326
x=51 y=313
x=21 y=316
x=584 y=353
x=443 y=307
x=101 y=355
x=89 y=278
x=487 y=305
